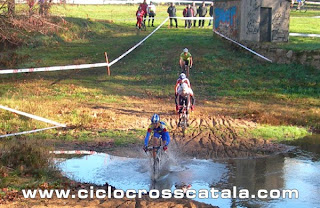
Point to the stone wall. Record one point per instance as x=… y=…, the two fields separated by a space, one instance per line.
x=227 y=18
x=250 y=19
x=284 y=56
x=280 y=19
x=240 y=19
x=250 y=16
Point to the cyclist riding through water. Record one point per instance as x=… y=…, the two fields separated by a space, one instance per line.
x=185 y=59
x=184 y=95
x=159 y=130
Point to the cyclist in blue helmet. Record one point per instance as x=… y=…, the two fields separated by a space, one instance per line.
x=159 y=129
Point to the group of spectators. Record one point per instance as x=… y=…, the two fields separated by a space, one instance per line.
x=193 y=11
x=145 y=10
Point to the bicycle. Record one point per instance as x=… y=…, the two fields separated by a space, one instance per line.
x=183 y=120
x=186 y=70
x=156 y=157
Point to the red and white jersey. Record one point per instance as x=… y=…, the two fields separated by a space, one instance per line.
x=187 y=90
x=179 y=82
x=140 y=13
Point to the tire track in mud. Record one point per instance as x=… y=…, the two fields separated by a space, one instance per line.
x=219 y=137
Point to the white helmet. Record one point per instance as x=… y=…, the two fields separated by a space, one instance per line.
x=182 y=76
x=185 y=50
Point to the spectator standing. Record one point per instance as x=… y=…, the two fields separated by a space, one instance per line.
x=30 y=4
x=195 y=12
x=188 y=12
x=41 y=7
x=202 y=13
x=211 y=13
x=139 y=14
x=144 y=7
x=151 y=12
x=172 y=14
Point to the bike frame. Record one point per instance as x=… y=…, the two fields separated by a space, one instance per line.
x=183 y=118
x=185 y=69
x=156 y=155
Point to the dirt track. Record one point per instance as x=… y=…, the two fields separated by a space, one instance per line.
x=219 y=137
x=215 y=137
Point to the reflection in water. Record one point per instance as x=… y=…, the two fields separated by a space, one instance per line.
x=292 y=171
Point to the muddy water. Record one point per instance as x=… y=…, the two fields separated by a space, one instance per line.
x=299 y=169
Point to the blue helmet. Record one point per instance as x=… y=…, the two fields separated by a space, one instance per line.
x=182 y=76
x=155 y=118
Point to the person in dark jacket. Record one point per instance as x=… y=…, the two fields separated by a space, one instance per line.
x=211 y=13
x=188 y=12
x=202 y=13
x=172 y=14
x=195 y=12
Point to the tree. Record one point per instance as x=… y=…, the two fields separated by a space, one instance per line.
x=11 y=7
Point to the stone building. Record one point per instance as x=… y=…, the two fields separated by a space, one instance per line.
x=253 y=20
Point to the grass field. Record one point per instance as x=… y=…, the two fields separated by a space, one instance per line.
x=284 y=99
x=225 y=80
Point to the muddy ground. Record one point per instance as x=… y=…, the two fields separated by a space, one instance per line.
x=218 y=137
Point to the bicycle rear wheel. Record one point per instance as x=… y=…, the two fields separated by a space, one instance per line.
x=187 y=69
x=156 y=167
x=183 y=124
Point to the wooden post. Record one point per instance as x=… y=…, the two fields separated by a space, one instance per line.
x=107 y=60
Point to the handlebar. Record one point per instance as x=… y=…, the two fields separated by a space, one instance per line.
x=152 y=148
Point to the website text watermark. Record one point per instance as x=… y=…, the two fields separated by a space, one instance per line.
x=212 y=193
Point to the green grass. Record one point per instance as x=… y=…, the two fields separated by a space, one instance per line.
x=86 y=98
x=301 y=22
x=124 y=137
x=305 y=25
x=279 y=133
x=302 y=44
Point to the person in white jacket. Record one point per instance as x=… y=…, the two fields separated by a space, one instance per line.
x=184 y=95
x=151 y=12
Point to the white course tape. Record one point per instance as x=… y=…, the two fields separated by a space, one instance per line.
x=305 y=35
x=33 y=116
x=193 y=18
x=28 y=132
x=138 y=44
x=245 y=47
x=73 y=152
x=81 y=66
x=57 y=125
x=53 y=68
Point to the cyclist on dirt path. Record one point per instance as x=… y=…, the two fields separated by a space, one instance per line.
x=159 y=129
x=139 y=14
x=182 y=79
x=185 y=59
x=185 y=94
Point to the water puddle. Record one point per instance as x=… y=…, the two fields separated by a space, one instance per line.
x=298 y=169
